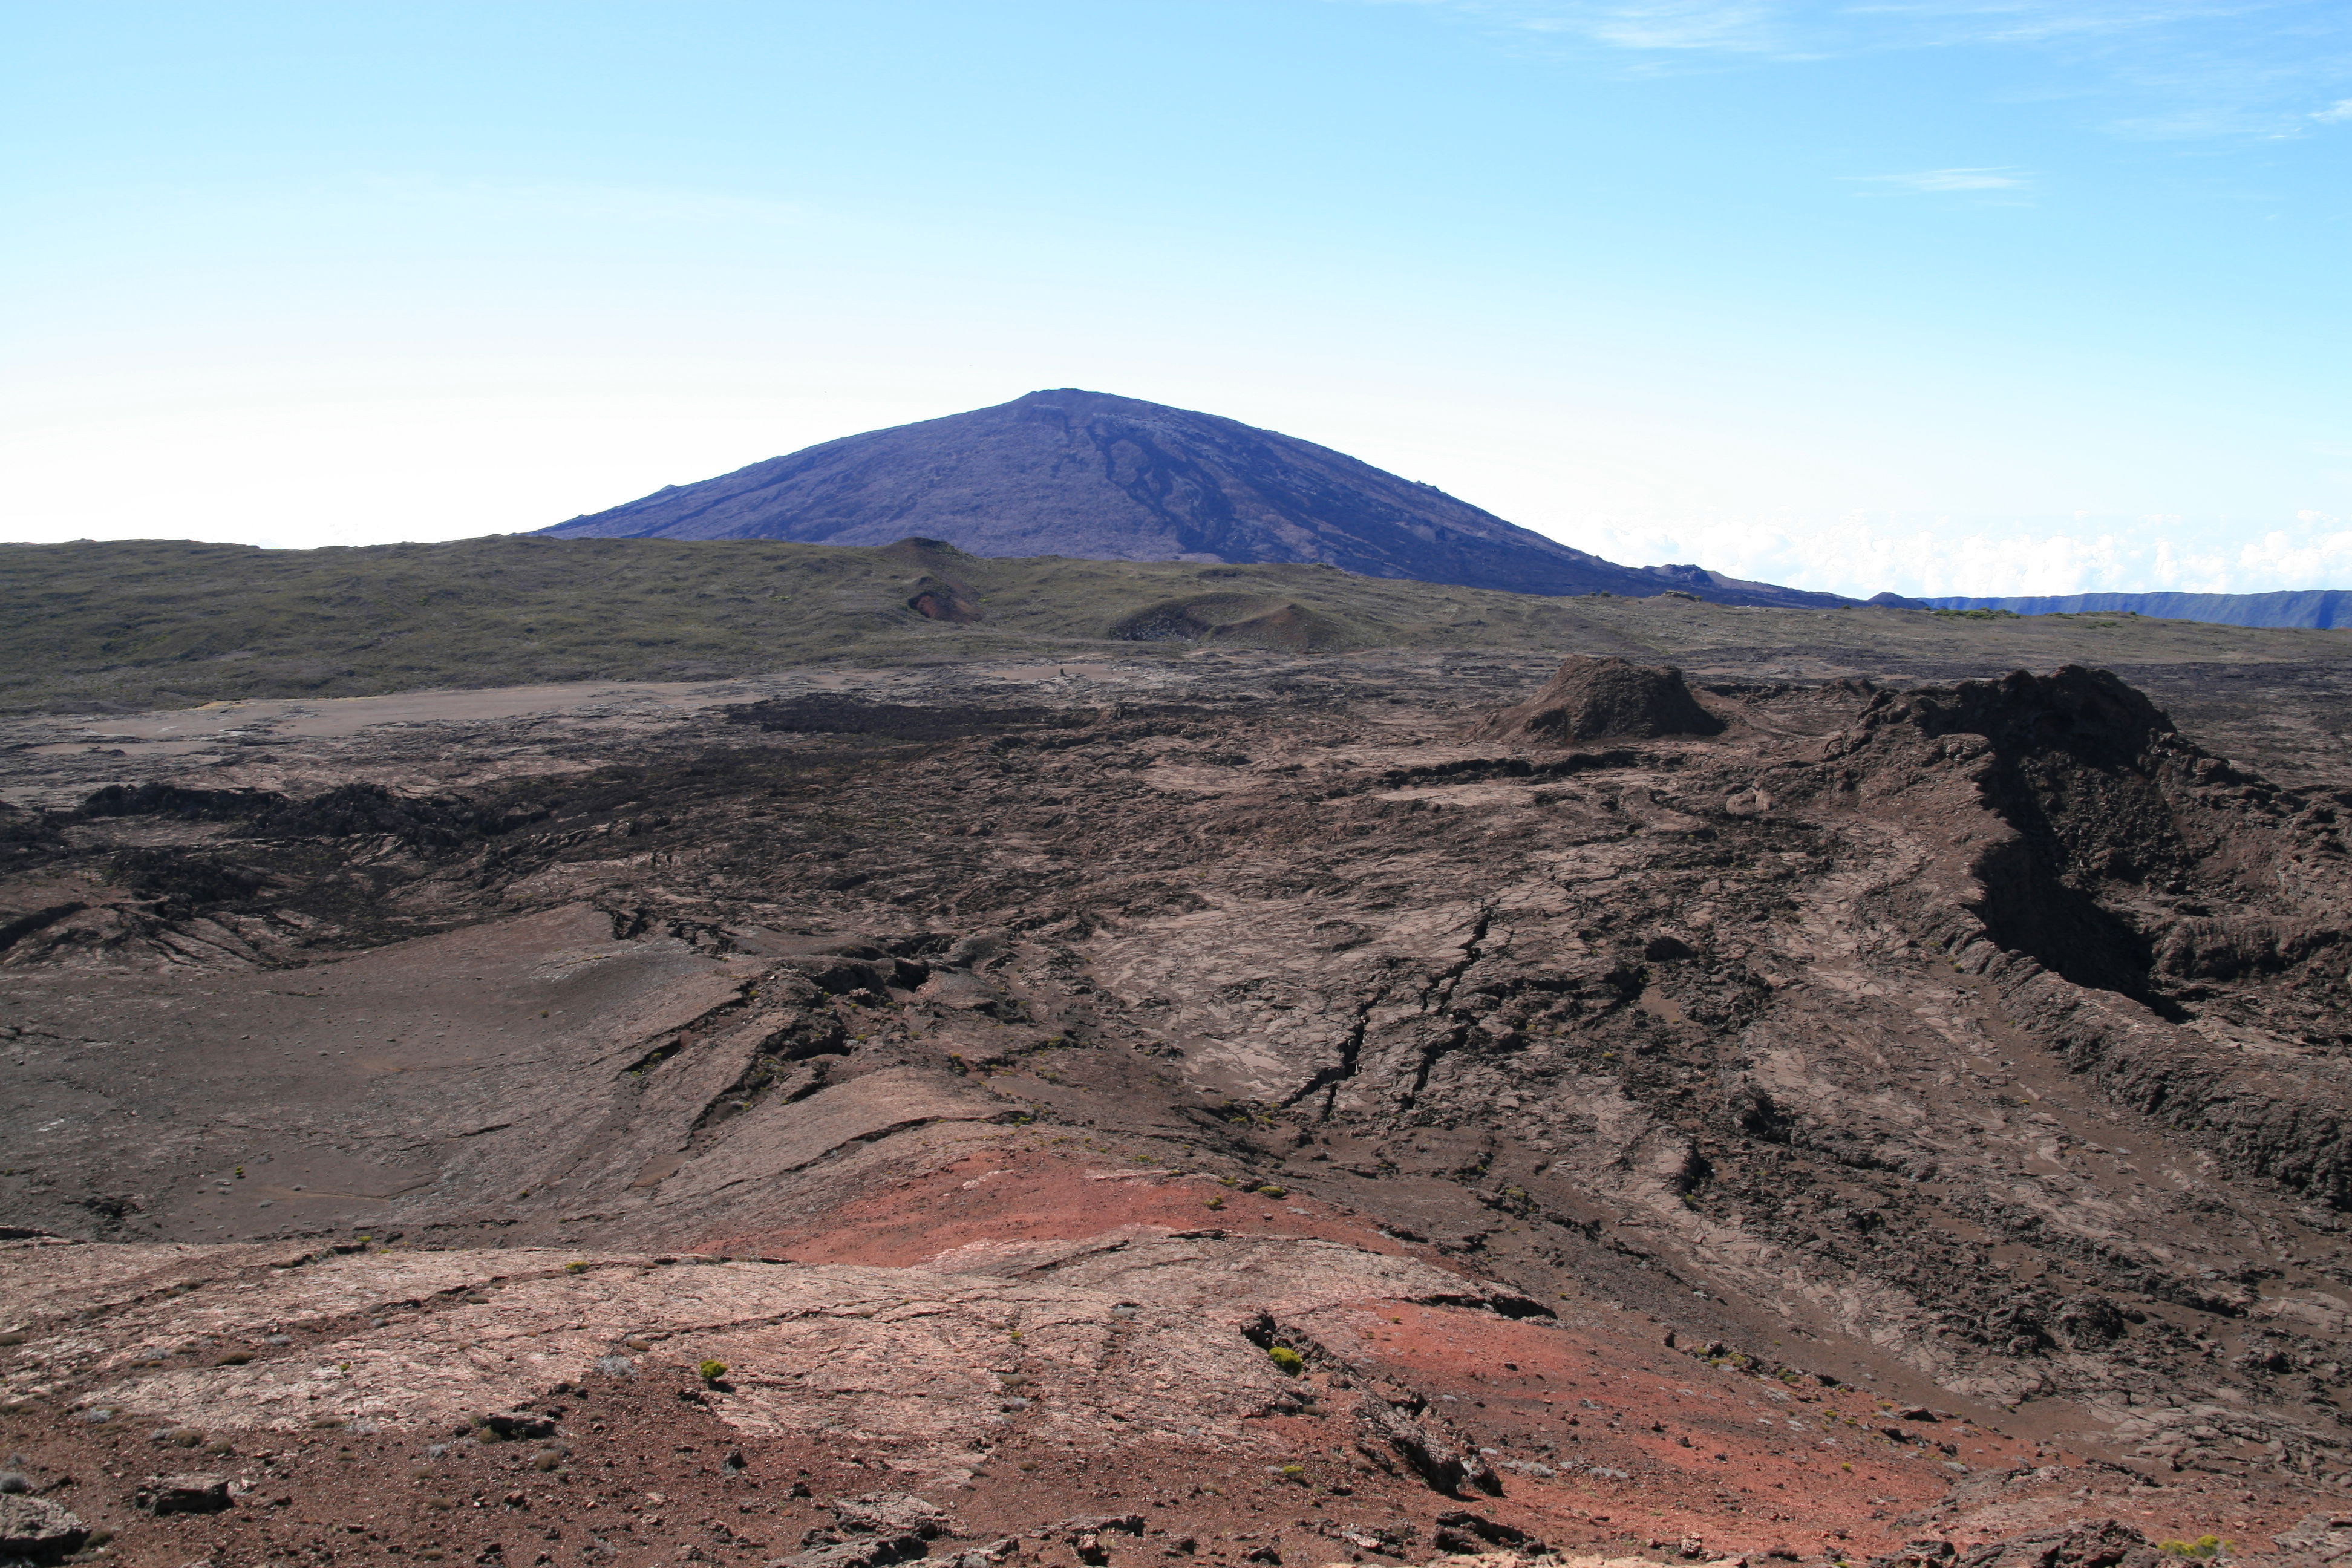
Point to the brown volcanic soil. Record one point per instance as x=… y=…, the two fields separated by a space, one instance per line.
x=1970 y=1051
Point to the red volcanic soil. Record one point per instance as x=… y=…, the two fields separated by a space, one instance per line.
x=1645 y=1441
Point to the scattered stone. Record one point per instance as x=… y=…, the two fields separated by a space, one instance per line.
x=1121 y=1523
x=183 y=1494
x=1085 y=1533
x=2326 y=1536
x=513 y=1425
x=1392 y=1540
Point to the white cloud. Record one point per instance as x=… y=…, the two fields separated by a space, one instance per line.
x=1860 y=554
x=1950 y=179
x=2337 y=114
x=1728 y=26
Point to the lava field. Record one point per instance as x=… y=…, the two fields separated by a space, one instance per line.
x=1280 y=1111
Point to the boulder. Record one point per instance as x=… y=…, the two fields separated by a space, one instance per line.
x=183 y=1494
x=1446 y=1465
x=2108 y=1544
x=35 y=1530
x=868 y=1551
x=1466 y=1534
x=893 y=1513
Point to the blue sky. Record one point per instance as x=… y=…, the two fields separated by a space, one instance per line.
x=2004 y=296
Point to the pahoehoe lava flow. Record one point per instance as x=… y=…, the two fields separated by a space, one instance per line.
x=1277 y=1110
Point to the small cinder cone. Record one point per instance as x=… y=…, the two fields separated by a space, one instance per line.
x=1605 y=698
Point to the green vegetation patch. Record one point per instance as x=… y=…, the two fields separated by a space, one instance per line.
x=135 y=625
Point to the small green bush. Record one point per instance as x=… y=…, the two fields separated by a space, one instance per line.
x=1289 y=1361
x=1271 y=1191
x=2204 y=1546
x=712 y=1371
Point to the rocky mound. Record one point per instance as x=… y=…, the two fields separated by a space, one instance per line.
x=1240 y=620
x=2091 y=713
x=1605 y=700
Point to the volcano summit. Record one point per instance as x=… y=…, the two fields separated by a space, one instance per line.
x=1066 y=472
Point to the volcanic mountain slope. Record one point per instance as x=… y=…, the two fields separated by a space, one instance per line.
x=1957 y=1075
x=1086 y=474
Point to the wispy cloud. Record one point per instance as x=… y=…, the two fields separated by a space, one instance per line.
x=1929 y=180
x=1684 y=25
x=1807 y=28
x=2154 y=68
